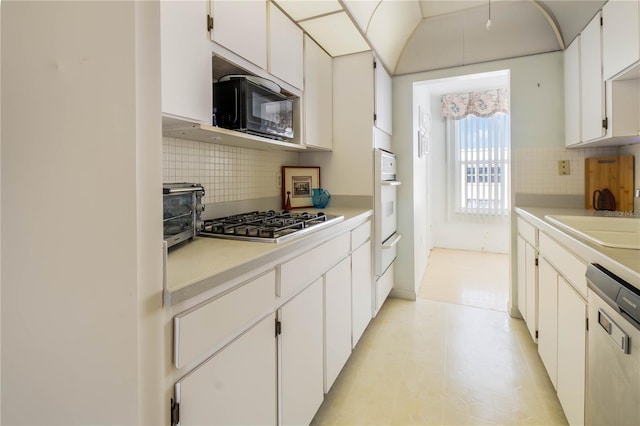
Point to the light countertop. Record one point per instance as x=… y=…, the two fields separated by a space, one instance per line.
x=203 y=263
x=623 y=262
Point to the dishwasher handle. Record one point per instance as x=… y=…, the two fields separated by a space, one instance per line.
x=619 y=337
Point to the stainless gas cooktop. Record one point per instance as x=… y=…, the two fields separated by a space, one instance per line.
x=267 y=226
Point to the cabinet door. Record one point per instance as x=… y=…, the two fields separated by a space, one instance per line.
x=361 y=290
x=572 y=337
x=318 y=96
x=591 y=83
x=531 y=278
x=572 y=108
x=241 y=26
x=337 y=320
x=285 y=48
x=548 y=318
x=186 y=60
x=212 y=394
x=522 y=277
x=620 y=36
x=301 y=360
x=383 y=100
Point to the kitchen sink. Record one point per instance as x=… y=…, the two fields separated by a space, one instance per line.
x=617 y=232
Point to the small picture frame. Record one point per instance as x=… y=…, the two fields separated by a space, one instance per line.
x=297 y=185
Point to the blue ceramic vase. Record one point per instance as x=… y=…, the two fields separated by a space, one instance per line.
x=320 y=198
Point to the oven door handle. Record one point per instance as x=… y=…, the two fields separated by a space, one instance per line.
x=392 y=241
x=391 y=183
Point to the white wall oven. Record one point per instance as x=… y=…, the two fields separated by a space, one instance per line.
x=385 y=217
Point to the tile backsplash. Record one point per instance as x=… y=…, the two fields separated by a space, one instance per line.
x=228 y=173
x=235 y=174
x=536 y=168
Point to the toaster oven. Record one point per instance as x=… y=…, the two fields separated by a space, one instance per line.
x=182 y=210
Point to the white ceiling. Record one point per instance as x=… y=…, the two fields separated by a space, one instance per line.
x=445 y=32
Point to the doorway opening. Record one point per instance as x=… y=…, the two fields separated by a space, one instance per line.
x=468 y=188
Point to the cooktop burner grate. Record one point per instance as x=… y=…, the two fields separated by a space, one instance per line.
x=267 y=226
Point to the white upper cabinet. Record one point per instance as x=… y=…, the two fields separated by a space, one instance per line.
x=318 y=96
x=241 y=26
x=591 y=81
x=285 y=48
x=572 y=96
x=383 y=101
x=186 y=61
x=620 y=36
x=600 y=109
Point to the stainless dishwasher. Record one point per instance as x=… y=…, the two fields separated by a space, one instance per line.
x=613 y=376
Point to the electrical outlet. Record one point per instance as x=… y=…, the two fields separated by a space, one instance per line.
x=564 y=167
x=279 y=180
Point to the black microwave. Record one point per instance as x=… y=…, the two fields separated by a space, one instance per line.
x=242 y=105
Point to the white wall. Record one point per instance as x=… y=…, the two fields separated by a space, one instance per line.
x=152 y=354
x=413 y=249
x=82 y=337
x=0 y=206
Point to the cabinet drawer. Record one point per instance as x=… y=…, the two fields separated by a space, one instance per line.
x=360 y=235
x=205 y=328
x=528 y=232
x=308 y=267
x=572 y=268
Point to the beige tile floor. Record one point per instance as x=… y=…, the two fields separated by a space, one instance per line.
x=435 y=363
x=468 y=278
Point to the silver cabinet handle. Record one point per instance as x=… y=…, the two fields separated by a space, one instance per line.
x=391 y=183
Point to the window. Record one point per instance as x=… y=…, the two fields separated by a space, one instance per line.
x=478 y=152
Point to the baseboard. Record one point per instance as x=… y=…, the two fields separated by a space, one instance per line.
x=403 y=294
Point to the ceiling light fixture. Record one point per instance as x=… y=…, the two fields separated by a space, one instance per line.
x=489 y=20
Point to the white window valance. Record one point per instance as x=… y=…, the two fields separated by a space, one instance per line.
x=457 y=106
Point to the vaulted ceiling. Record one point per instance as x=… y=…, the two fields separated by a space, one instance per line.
x=419 y=35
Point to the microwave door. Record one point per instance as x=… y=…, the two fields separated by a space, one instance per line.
x=256 y=112
x=276 y=118
x=269 y=114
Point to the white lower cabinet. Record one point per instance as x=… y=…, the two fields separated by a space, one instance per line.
x=236 y=386
x=561 y=312
x=572 y=344
x=548 y=318
x=337 y=320
x=361 y=290
x=301 y=356
x=265 y=351
x=562 y=331
x=527 y=258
